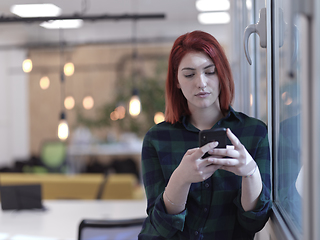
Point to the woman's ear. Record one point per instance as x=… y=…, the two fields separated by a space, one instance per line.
x=178 y=85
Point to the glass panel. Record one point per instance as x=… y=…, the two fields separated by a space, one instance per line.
x=261 y=72
x=287 y=160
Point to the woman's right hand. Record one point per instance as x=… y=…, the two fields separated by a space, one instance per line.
x=193 y=168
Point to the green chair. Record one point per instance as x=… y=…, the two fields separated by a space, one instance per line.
x=53 y=156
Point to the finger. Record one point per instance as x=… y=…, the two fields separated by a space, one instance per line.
x=225 y=152
x=223 y=161
x=234 y=140
x=191 y=151
x=201 y=151
x=209 y=170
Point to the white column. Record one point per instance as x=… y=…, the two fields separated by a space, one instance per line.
x=14 y=108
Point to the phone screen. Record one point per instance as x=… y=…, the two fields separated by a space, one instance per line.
x=219 y=135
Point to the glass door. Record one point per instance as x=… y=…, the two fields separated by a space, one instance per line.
x=286 y=93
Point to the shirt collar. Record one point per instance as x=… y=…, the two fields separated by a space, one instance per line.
x=232 y=114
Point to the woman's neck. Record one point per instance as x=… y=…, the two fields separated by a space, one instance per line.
x=205 y=118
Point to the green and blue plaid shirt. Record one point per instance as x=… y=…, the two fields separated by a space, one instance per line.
x=213 y=209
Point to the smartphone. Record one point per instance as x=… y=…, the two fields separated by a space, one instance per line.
x=213 y=135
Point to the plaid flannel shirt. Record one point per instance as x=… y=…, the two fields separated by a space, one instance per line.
x=213 y=209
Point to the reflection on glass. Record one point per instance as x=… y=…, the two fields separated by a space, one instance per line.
x=288 y=162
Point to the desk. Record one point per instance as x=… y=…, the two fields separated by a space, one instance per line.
x=61 y=219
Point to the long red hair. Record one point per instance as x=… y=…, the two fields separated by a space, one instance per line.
x=196 y=41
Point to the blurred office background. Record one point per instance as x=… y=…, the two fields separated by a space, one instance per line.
x=115 y=50
x=87 y=75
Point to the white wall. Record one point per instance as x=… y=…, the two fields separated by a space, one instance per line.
x=14 y=119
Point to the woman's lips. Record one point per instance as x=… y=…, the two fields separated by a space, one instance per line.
x=203 y=94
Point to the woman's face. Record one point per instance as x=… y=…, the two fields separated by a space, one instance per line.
x=198 y=81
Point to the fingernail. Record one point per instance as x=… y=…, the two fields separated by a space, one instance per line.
x=214 y=144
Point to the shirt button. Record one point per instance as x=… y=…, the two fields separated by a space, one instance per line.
x=205 y=209
x=207 y=185
x=196 y=233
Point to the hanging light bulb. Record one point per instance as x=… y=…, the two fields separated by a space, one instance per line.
x=121 y=111
x=63 y=128
x=69 y=102
x=44 y=82
x=88 y=102
x=158 y=117
x=27 y=65
x=68 y=69
x=135 y=104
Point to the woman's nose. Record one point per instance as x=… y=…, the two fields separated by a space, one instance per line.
x=201 y=81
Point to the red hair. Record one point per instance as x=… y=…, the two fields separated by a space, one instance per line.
x=196 y=41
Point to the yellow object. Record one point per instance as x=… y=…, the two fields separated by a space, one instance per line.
x=120 y=186
x=79 y=186
x=58 y=186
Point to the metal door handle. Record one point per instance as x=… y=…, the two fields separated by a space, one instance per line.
x=260 y=28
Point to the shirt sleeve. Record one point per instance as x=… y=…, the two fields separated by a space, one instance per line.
x=255 y=220
x=159 y=224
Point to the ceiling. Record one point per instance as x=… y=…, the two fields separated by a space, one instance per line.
x=180 y=17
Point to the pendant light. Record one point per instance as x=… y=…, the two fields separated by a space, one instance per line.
x=68 y=69
x=63 y=128
x=135 y=103
x=27 y=65
x=44 y=82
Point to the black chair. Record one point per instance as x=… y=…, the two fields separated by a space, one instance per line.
x=127 y=229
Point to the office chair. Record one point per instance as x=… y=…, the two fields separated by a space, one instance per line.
x=53 y=155
x=127 y=229
x=52 y=159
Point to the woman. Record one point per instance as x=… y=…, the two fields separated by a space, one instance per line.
x=226 y=195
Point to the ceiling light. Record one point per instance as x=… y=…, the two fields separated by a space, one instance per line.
x=56 y=24
x=36 y=10
x=211 y=5
x=214 y=18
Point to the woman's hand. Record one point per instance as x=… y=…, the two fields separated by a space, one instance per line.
x=193 y=168
x=238 y=160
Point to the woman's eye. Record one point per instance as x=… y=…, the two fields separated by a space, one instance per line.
x=210 y=73
x=189 y=75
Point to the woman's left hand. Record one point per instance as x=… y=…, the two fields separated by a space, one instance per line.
x=238 y=160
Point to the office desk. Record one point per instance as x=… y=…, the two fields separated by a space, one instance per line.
x=61 y=219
